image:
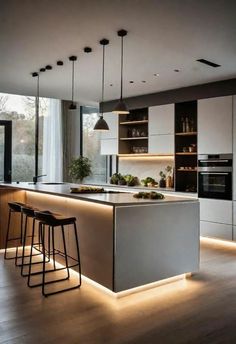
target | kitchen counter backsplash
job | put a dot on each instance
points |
(146, 167)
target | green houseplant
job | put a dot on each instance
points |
(80, 168)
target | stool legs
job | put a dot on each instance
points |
(8, 234)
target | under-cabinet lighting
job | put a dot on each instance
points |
(219, 242)
(146, 157)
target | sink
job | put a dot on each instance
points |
(49, 183)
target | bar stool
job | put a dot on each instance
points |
(54, 222)
(28, 213)
(14, 208)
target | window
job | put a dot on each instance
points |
(21, 111)
(91, 145)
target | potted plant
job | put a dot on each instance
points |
(115, 178)
(169, 170)
(80, 168)
(130, 180)
(162, 182)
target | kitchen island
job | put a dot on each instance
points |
(124, 242)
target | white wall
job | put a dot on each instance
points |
(144, 167)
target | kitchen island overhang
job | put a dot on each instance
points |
(124, 242)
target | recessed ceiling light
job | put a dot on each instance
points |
(144, 81)
(176, 70)
(156, 74)
(131, 82)
(111, 84)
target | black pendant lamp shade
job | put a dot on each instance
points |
(121, 107)
(73, 105)
(101, 123)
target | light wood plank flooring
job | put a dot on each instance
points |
(198, 310)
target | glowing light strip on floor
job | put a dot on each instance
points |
(121, 293)
(220, 242)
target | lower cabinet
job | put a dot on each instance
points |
(216, 230)
(216, 219)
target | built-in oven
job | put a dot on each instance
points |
(215, 176)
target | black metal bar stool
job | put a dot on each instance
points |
(14, 209)
(52, 222)
(28, 213)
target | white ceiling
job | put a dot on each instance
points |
(163, 35)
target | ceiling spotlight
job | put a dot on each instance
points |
(87, 50)
(48, 67)
(144, 81)
(42, 70)
(131, 82)
(176, 70)
(156, 74)
(121, 107)
(60, 63)
(34, 74)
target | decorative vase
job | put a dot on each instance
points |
(162, 183)
(169, 182)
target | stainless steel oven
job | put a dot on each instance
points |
(215, 176)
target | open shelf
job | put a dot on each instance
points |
(186, 153)
(185, 140)
(134, 122)
(133, 138)
(190, 133)
(133, 132)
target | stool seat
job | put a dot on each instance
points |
(28, 210)
(15, 206)
(52, 219)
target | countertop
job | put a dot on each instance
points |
(124, 198)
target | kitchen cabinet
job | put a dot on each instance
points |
(109, 138)
(214, 210)
(215, 125)
(234, 147)
(161, 144)
(216, 230)
(161, 119)
(112, 121)
(109, 146)
(216, 218)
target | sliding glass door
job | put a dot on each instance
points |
(5, 151)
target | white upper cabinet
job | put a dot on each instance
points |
(109, 147)
(161, 144)
(112, 121)
(215, 120)
(161, 119)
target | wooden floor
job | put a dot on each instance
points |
(198, 310)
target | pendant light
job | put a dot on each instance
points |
(73, 105)
(121, 107)
(101, 124)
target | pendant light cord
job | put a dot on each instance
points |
(121, 70)
(37, 128)
(103, 77)
(73, 81)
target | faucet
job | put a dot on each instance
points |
(35, 178)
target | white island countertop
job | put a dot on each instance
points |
(119, 198)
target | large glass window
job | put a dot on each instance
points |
(21, 111)
(91, 145)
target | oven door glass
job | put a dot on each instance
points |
(215, 185)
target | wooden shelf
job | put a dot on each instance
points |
(134, 122)
(185, 170)
(186, 153)
(133, 138)
(190, 133)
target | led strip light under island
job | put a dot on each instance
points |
(126, 244)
